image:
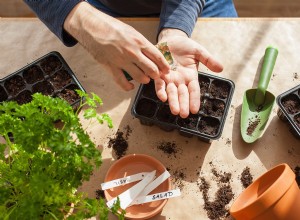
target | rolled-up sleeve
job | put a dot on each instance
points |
(180, 14)
(53, 14)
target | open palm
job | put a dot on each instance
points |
(180, 85)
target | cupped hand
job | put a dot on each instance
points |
(180, 85)
(116, 45)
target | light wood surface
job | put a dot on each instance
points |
(239, 44)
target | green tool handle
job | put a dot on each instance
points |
(265, 75)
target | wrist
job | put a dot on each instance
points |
(167, 33)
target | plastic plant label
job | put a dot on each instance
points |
(129, 195)
(158, 196)
(155, 183)
(123, 181)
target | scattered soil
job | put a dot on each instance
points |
(220, 89)
(43, 87)
(291, 103)
(119, 142)
(216, 209)
(69, 94)
(3, 95)
(169, 148)
(99, 194)
(15, 85)
(222, 177)
(214, 107)
(24, 97)
(50, 64)
(209, 125)
(60, 79)
(164, 114)
(252, 125)
(246, 177)
(296, 76)
(178, 177)
(204, 84)
(33, 74)
(189, 122)
(146, 107)
(297, 120)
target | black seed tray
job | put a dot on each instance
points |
(207, 125)
(289, 109)
(49, 75)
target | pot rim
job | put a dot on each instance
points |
(284, 178)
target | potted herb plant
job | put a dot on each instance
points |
(45, 156)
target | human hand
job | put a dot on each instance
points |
(116, 45)
(180, 85)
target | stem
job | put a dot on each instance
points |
(52, 215)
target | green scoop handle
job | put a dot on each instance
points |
(265, 75)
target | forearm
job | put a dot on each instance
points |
(182, 15)
(53, 14)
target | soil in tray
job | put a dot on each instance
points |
(69, 94)
(149, 91)
(190, 122)
(33, 74)
(204, 84)
(219, 89)
(214, 107)
(297, 120)
(3, 95)
(60, 79)
(43, 87)
(146, 107)
(50, 64)
(209, 125)
(164, 114)
(24, 97)
(15, 84)
(291, 103)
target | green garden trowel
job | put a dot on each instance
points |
(258, 103)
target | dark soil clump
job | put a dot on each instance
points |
(214, 107)
(146, 108)
(252, 126)
(209, 125)
(291, 103)
(24, 97)
(204, 84)
(100, 194)
(164, 114)
(51, 64)
(33, 74)
(69, 94)
(119, 143)
(190, 122)
(216, 209)
(60, 79)
(3, 95)
(15, 85)
(246, 177)
(220, 89)
(222, 177)
(169, 148)
(43, 87)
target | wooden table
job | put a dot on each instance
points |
(239, 44)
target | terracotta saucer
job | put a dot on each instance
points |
(132, 164)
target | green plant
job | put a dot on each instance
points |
(46, 156)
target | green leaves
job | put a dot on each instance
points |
(50, 155)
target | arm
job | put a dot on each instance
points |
(53, 14)
(180, 86)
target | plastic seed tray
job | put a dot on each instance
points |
(207, 125)
(49, 75)
(289, 109)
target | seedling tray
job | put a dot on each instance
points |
(289, 109)
(49, 75)
(207, 125)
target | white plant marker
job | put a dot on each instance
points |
(123, 181)
(129, 195)
(158, 196)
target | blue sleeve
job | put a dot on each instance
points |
(180, 14)
(53, 14)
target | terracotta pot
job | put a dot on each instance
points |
(275, 195)
(132, 164)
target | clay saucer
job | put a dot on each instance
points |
(133, 164)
